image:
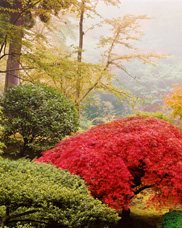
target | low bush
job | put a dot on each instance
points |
(35, 118)
(172, 220)
(40, 195)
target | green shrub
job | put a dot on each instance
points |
(172, 220)
(158, 115)
(36, 117)
(40, 195)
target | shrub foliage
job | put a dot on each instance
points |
(36, 117)
(42, 195)
(172, 220)
(121, 158)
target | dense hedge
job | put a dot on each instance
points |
(44, 196)
(172, 220)
(36, 117)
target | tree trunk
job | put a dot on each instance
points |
(126, 215)
(13, 62)
(79, 58)
(125, 221)
(128, 221)
(5, 218)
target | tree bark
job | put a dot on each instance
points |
(125, 221)
(6, 218)
(79, 57)
(13, 62)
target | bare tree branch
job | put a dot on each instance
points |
(20, 78)
(5, 71)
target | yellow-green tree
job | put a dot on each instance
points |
(67, 70)
(174, 100)
(125, 32)
(19, 15)
(84, 9)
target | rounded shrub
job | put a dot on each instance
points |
(172, 220)
(40, 195)
(36, 117)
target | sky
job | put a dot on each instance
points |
(163, 31)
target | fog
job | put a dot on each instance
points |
(163, 34)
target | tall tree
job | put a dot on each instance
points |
(124, 31)
(19, 11)
(13, 62)
(85, 8)
(79, 80)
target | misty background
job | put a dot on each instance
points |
(162, 34)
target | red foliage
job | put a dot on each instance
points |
(120, 158)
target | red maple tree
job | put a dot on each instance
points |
(119, 159)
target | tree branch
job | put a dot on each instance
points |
(20, 77)
(107, 64)
(111, 47)
(4, 44)
(122, 93)
(122, 68)
(24, 213)
(90, 89)
(92, 27)
(5, 71)
(142, 188)
(2, 56)
(25, 9)
(27, 220)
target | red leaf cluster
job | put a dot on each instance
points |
(119, 159)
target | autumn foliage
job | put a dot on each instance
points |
(174, 100)
(119, 159)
